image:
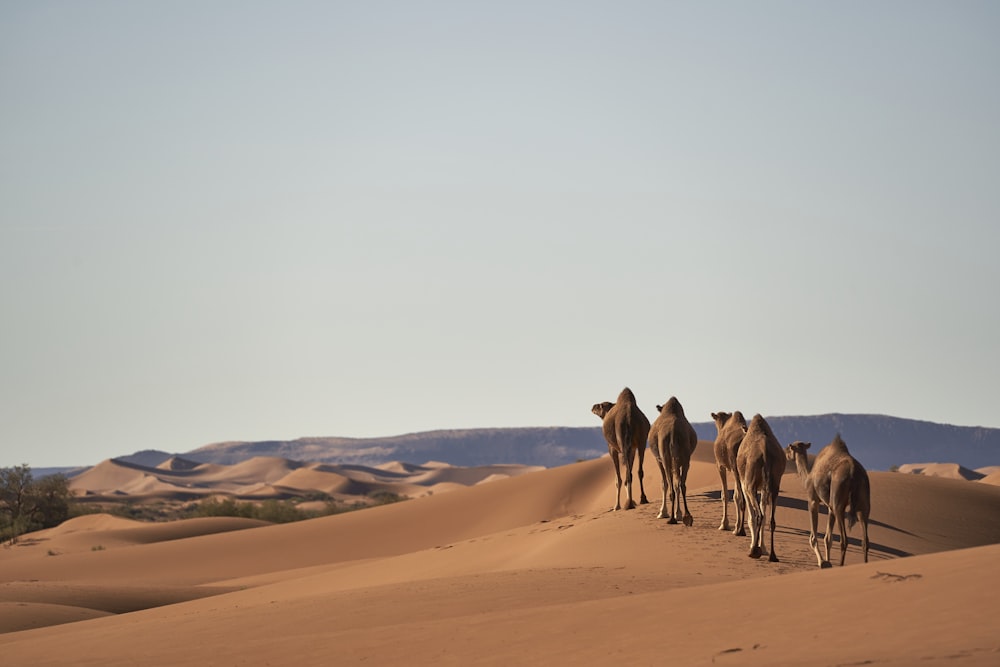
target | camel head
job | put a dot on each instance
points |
(721, 418)
(796, 448)
(601, 409)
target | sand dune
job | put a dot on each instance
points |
(273, 477)
(949, 470)
(990, 474)
(530, 568)
(984, 475)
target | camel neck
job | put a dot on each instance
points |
(802, 466)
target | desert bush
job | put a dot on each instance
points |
(27, 504)
(224, 507)
(277, 511)
(283, 511)
(387, 498)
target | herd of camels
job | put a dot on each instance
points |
(754, 456)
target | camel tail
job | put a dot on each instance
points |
(675, 455)
(767, 483)
(859, 500)
(625, 436)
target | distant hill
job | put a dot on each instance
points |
(147, 457)
(878, 441)
(549, 447)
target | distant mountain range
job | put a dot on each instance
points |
(878, 441)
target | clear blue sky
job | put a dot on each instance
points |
(249, 220)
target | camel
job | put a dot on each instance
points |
(840, 482)
(626, 430)
(672, 440)
(760, 464)
(731, 428)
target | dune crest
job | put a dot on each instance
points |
(264, 477)
(947, 470)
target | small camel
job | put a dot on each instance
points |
(731, 428)
(760, 464)
(672, 440)
(840, 482)
(626, 430)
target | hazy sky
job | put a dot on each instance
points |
(248, 220)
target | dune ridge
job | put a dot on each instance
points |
(264, 477)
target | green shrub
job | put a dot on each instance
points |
(27, 504)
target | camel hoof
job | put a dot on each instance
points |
(724, 526)
(630, 506)
(740, 533)
(754, 553)
(772, 558)
(825, 564)
(643, 501)
(688, 520)
(672, 521)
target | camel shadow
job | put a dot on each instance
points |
(802, 505)
(851, 541)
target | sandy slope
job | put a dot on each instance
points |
(529, 569)
(949, 470)
(264, 477)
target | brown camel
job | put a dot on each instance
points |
(760, 464)
(626, 430)
(731, 428)
(672, 440)
(837, 480)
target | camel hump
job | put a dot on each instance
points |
(740, 419)
(759, 425)
(673, 407)
(838, 443)
(626, 396)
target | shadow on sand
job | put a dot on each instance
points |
(802, 505)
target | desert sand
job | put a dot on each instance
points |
(524, 569)
(268, 477)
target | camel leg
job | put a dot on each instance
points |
(773, 505)
(725, 500)
(813, 542)
(618, 482)
(828, 538)
(843, 536)
(663, 485)
(672, 517)
(669, 489)
(629, 462)
(688, 519)
(863, 518)
(756, 519)
(741, 507)
(642, 489)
